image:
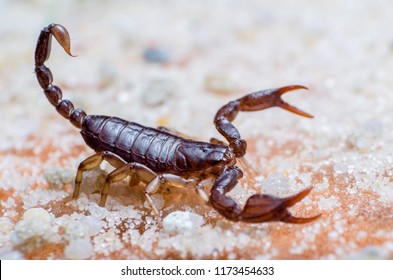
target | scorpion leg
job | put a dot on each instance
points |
(146, 175)
(129, 169)
(216, 141)
(258, 208)
(92, 162)
(166, 179)
(252, 102)
(169, 179)
(200, 189)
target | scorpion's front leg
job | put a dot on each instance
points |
(258, 208)
(252, 102)
(153, 180)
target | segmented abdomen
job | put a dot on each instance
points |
(133, 142)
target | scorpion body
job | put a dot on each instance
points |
(159, 157)
(157, 149)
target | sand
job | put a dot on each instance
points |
(175, 63)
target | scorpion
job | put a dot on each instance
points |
(159, 156)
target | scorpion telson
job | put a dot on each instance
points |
(159, 157)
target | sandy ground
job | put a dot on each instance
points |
(175, 63)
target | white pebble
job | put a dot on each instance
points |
(158, 91)
(180, 222)
(322, 186)
(79, 249)
(38, 213)
(276, 184)
(340, 168)
(5, 225)
(30, 230)
(7, 253)
(328, 203)
(58, 177)
(220, 83)
(95, 224)
(76, 229)
(35, 226)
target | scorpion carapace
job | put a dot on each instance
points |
(159, 157)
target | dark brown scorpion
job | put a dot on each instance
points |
(159, 157)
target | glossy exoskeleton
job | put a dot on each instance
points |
(159, 157)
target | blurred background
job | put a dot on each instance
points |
(175, 63)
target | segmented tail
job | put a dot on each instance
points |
(44, 75)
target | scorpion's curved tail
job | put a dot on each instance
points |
(252, 102)
(44, 75)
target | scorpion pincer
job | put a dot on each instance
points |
(159, 157)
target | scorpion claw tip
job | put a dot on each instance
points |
(288, 218)
(284, 105)
(294, 110)
(301, 87)
(286, 89)
(292, 200)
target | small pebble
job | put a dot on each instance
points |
(276, 184)
(340, 168)
(58, 177)
(179, 222)
(5, 225)
(79, 249)
(77, 229)
(31, 233)
(38, 213)
(95, 224)
(220, 83)
(158, 91)
(156, 55)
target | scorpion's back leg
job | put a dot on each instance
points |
(122, 170)
(258, 208)
(91, 163)
(132, 169)
(252, 102)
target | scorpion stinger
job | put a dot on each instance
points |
(156, 157)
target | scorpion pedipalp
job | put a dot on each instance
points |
(259, 207)
(255, 101)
